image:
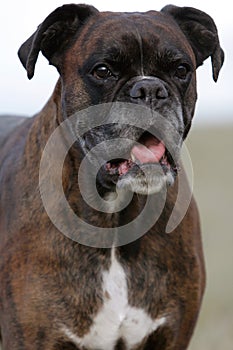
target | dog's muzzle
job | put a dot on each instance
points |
(143, 156)
(142, 164)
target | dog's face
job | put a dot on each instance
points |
(146, 63)
(147, 60)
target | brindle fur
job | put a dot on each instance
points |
(47, 278)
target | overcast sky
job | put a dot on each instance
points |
(19, 19)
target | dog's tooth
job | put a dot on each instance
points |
(133, 157)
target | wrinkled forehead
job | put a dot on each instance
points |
(113, 34)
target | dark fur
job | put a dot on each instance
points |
(44, 276)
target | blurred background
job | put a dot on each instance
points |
(210, 142)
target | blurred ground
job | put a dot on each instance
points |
(211, 150)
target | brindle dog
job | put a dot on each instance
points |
(57, 293)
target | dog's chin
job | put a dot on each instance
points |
(146, 179)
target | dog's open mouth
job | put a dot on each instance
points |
(148, 150)
(146, 166)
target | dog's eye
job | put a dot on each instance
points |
(102, 72)
(181, 71)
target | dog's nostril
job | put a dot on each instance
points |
(137, 92)
(161, 92)
(148, 89)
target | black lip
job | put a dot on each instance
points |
(138, 167)
(109, 181)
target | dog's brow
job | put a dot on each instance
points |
(171, 56)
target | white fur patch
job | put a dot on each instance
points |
(116, 319)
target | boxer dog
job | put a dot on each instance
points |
(57, 293)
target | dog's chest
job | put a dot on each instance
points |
(116, 320)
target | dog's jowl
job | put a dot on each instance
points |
(122, 107)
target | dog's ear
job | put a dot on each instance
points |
(54, 35)
(202, 34)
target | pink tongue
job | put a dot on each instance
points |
(150, 152)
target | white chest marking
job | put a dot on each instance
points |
(116, 319)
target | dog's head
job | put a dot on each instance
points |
(147, 60)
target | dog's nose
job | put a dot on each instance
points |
(148, 89)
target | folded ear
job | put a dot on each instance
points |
(54, 35)
(202, 34)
